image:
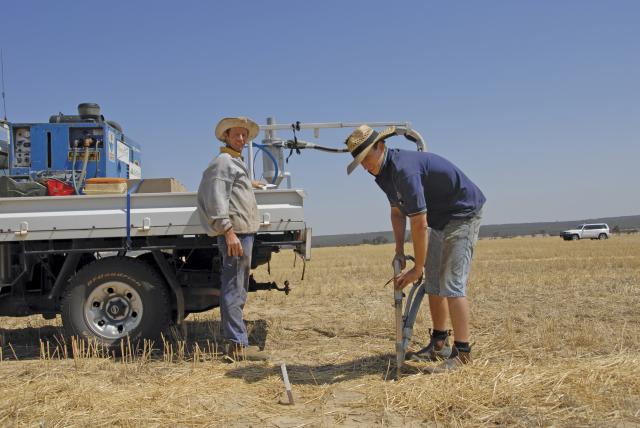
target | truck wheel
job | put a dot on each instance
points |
(574, 237)
(603, 236)
(116, 297)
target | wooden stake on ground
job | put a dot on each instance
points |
(287, 385)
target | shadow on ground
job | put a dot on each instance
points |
(29, 342)
(382, 365)
(204, 332)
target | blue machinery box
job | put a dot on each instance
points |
(67, 142)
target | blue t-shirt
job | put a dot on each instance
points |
(419, 182)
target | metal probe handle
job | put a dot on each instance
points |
(397, 303)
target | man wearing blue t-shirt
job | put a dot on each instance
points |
(434, 193)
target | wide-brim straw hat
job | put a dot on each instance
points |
(237, 122)
(362, 140)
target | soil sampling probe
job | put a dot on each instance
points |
(404, 322)
(397, 304)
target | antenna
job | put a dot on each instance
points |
(4, 102)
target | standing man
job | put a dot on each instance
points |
(430, 191)
(228, 210)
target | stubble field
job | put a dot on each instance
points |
(556, 327)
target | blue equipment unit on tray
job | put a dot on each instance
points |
(70, 144)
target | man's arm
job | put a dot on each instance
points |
(419, 238)
(399, 225)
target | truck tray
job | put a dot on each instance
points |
(151, 214)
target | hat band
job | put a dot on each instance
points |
(369, 141)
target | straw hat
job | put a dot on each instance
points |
(237, 122)
(362, 140)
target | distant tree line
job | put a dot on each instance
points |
(619, 225)
(617, 229)
(376, 241)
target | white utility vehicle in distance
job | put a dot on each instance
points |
(584, 231)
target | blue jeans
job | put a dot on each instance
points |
(234, 286)
(449, 257)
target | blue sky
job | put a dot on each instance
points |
(538, 102)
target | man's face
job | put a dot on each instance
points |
(237, 138)
(373, 160)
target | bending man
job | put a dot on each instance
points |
(430, 191)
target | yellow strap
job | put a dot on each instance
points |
(233, 153)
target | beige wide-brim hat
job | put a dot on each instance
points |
(362, 140)
(237, 122)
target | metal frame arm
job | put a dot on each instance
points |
(412, 135)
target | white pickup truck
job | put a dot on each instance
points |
(126, 265)
(584, 231)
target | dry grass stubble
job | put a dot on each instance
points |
(556, 327)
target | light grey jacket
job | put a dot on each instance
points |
(226, 199)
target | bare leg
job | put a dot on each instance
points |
(459, 309)
(439, 312)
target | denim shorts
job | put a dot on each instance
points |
(449, 257)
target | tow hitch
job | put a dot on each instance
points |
(257, 286)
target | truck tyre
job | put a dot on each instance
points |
(575, 237)
(116, 298)
(603, 236)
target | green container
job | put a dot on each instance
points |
(10, 188)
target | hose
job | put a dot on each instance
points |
(85, 161)
(408, 133)
(328, 149)
(73, 168)
(273, 159)
(95, 175)
(412, 135)
(291, 144)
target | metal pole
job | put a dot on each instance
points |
(251, 160)
(4, 102)
(414, 300)
(397, 303)
(320, 125)
(402, 128)
(268, 169)
(269, 134)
